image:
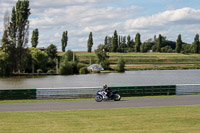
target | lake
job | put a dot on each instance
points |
(129, 78)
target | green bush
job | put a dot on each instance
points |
(51, 71)
(121, 65)
(83, 70)
(68, 65)
(80, 65)
(66, 68)
(105, 64)
(39, 71)
(167, 49)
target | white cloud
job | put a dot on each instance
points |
(57, 35)
(80, 17)
(183, 16)
(170, 23)
(83, 39)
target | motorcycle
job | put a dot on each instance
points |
(102, 95)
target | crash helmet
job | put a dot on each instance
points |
(105, 86)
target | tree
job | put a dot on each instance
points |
(106, 41)
(159, 42)
(5, 69)
(66, 68)
(129, 41)
(19, 26)
(187, 48)
(22, 22)
(5, 41)
(39, 58)
(64, 40)
(35, 37)
(13, 26)
(109, 47)
(178, 44)
(195, 44)
(83, 70)
(67, 65)
(7, 49)
(102, 56)
(147, 45)
(6, 63)
(51, 51)
(123, 44)
(121, 65)
(137, 42)
(6, 21)
(70, 56)
(165, 42)
(115, 42)
(90, 43)
(167, 49)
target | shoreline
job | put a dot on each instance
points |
(128, 67)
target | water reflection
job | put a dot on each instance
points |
(154, 77)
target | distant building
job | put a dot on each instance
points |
(41, 48)
(95, 67)
(150, 51)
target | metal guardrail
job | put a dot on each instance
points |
(66, 92)
(187, 89)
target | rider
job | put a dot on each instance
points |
(108, 90)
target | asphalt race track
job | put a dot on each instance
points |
(85, 105)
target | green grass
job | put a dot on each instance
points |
(181, 119)
(151, 58)
(159, 67)
(143, 57)
(82, 99)
(139, 55)
(43, 100)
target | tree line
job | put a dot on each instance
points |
(124, 44)
(17, 57)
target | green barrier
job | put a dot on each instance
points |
(15, 94)
(153, 90)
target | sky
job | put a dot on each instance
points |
(102, 17)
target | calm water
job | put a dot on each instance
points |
(154, 77)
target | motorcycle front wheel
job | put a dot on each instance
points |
(117, 97)
(98, 98)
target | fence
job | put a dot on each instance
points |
(67, 92)
(10, 94)
(90, 92)
(146, 90)
(187, 89)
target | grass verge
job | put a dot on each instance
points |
(182, 119)
(161, 67)
(82, 99)
(43, 100)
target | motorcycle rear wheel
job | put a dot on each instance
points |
(98, 98)
(117, 97)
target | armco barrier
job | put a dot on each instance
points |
(152, 90)
(90, 92)
(187, 89)
(14, 94)
(66, 92)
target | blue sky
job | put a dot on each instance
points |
(102, 17)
